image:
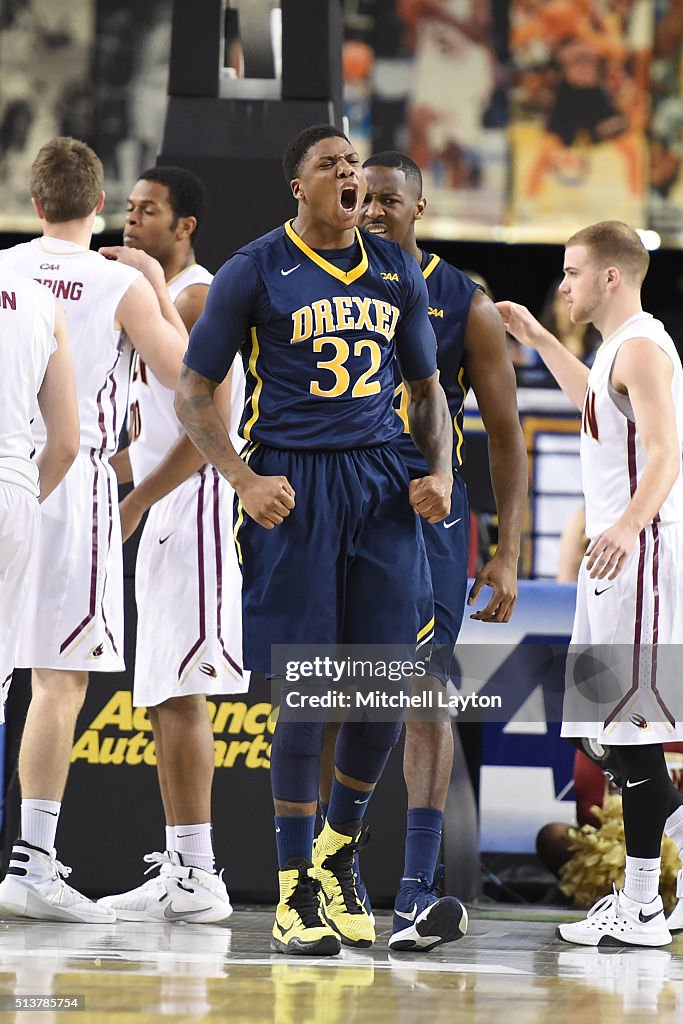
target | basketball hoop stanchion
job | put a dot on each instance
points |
(231, 130)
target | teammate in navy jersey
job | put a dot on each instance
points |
(318, 313)
(471, 351)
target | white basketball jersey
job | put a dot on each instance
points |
(613, 458)
(153, 426)
(90, 288)
(27, 319)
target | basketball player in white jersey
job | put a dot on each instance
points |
(187, 581)
(629, 605)
(35, 363)
(73, 621)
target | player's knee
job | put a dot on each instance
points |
(187, 706)
(59, 688)
(383, 735)
(429, 710)
(298, 739)
(643, 762)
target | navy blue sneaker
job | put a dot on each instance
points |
(422, 918)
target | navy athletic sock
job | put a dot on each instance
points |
(423, 842)
(346, 804)
(323, 810)
(294, 837)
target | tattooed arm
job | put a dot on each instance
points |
(214, 343)
(267, 499)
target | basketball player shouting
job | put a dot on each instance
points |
(326, 530)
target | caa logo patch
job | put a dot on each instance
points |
(208, 670)
(638, 721)
(390, 277)
(435, 312)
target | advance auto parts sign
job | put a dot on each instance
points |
(122, 734)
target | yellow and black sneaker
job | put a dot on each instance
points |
(333, 862)
(299, 923)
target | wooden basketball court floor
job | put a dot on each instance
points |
(509, 969)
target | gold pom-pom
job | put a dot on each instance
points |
(599, 859)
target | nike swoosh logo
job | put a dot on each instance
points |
(447, 526)
(284, 931)
(291, 271)
(648, 917)
(408, 917)
(603, 591)
(43, 811)
(362, 801)
(162, 540)
(177, 915)
(632, 785)
(188, 834)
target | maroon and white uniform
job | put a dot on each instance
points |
(636, 619)
(74, 608)
(187, 581)
(27, 317)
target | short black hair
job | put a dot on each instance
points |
(186, 192)
(393, 158)
(298, 147)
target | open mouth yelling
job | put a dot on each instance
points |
(348, 198)
(375, 228)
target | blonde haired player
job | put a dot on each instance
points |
(73, 621)
(187, 581)
(629, 607)
(35, 368)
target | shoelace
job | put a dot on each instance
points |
(342, 865)
(156, 860)
(60, 870)
(608, 902)
(305, 901)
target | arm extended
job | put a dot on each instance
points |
(492, 376)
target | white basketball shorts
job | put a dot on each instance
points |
(188, 593)
(19, 522)
(74, 605)
(625, 664)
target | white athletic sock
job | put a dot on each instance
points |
(195, 846)
(674, 828)
(170, 838)
(642, 878)
(39, 820)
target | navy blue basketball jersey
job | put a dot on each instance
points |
(450, 297)
(318, 332)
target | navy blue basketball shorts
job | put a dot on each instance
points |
(447, 546)
(347, 566)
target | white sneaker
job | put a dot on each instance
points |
(616, 920)
(34, 887)
(177, 893)
(674, 921)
